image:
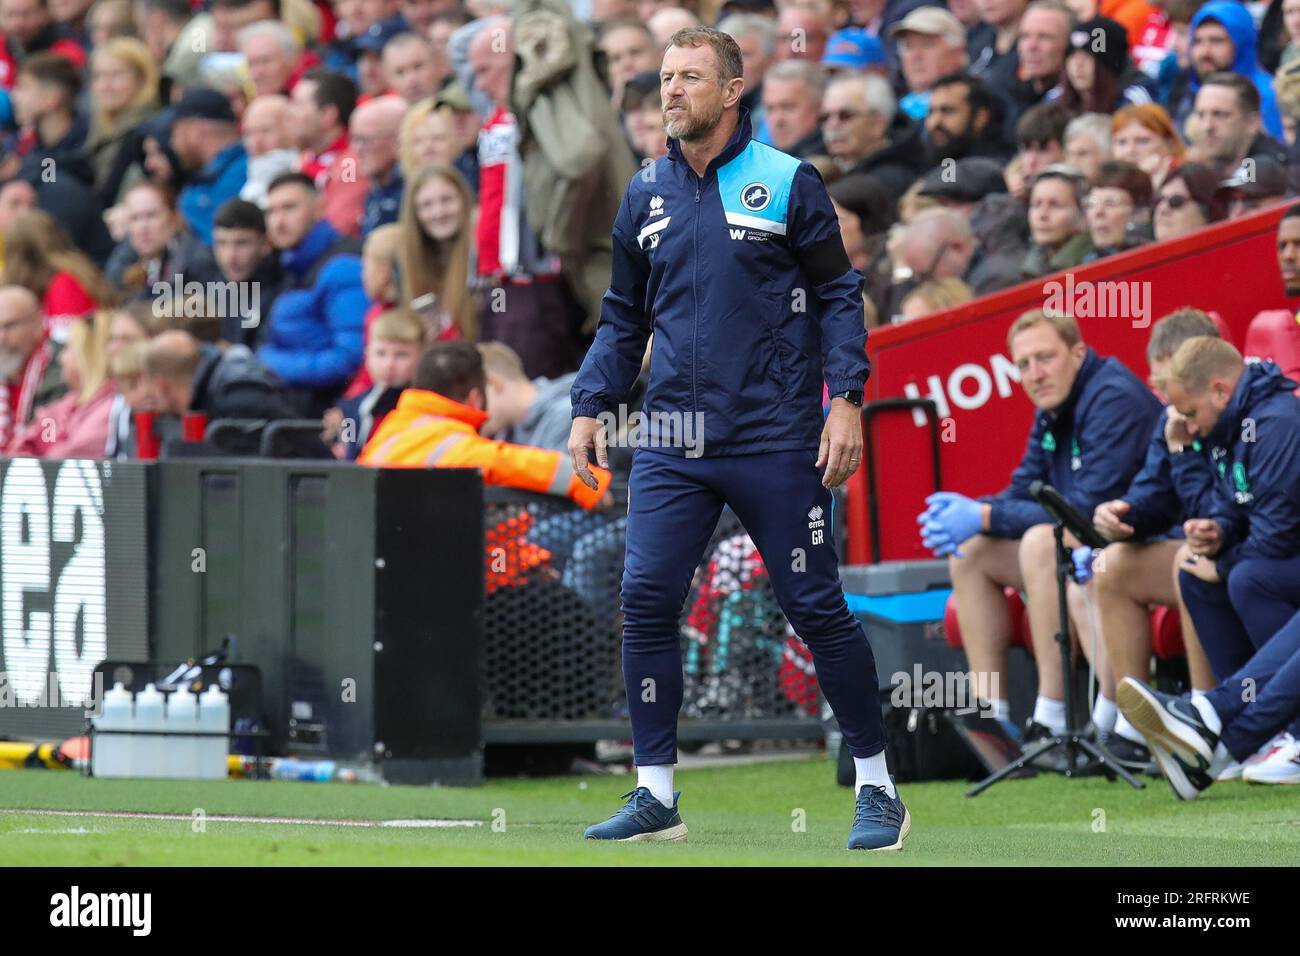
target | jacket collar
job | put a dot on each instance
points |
(300, 259)
(1258, 382)
(420, 401)
(740, 138)
(220, 163)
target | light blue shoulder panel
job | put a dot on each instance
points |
(755, 188)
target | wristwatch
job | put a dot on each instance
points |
(851, 396)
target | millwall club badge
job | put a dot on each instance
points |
(755, 197)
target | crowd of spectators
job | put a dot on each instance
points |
(307, 195)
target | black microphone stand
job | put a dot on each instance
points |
(1075, 741)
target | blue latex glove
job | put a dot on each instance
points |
(949, 521)
(1082, 564)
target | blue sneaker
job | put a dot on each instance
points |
(880, 822)
(643, 817)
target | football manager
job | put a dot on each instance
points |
(729, 252)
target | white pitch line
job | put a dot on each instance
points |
(218, 818)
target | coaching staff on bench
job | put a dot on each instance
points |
(729, 251)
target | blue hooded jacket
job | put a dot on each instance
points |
(1087, 449)
(316, 334)
(1255, 450)
(1236, 19)
(743, 279)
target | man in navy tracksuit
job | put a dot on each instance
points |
(1242, 582)
(1088, 440)
(729, 251)
(1145, 525)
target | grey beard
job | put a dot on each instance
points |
(693, 128)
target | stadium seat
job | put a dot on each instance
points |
(1166, 628)
(1015, 607)
(1225, 331)
(1166, 633)
(1275, 335)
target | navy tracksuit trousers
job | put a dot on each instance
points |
(1235, 620)
(1263, 697)
(674, 505)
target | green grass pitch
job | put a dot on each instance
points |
(786, 812)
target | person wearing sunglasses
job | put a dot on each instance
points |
(1188, 200)
(1118, 209)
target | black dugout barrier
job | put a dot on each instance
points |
(404, 616)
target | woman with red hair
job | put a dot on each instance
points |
(1145, 136)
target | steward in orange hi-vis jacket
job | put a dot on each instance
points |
(429, 430)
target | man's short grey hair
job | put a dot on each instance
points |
(741, 25)
(875, 92)
(812, 75)
(282, 35)
(725, 49)
(1096, 126)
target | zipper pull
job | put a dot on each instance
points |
(697, 192)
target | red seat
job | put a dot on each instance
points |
(1015, 607)
(1166, 633)
(1225, 332)
(1275, 335)
(1166, 627)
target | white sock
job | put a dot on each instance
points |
(872, 772)
(1126, 730)
(1050, 713)
(659, 780)
(1207, 712)
(1221, 761)
(1104, 714)
(1002, 709)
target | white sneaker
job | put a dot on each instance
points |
(1281, 766)
(1232, 771)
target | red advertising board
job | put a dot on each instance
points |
(959, 358)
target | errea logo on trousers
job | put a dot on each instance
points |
(816, 524)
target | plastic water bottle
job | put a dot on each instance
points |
(312, 771)
(149, 751)
(214, 716)
(182, 752)
(112, 751)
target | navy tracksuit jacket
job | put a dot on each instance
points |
(743, 279)
(1254, 462)
(1088, 448)
(1168, 490)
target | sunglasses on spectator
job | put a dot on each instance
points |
(1175, 202)
(842, 115)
